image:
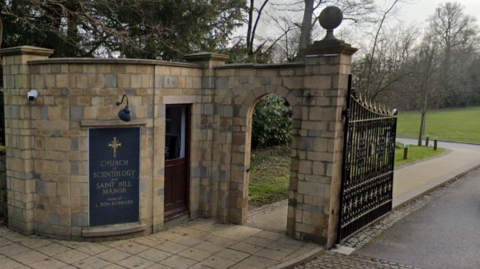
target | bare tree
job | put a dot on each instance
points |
(381, 68)
(457, 37)
(1, 31)
(421, 92)
(252, 23)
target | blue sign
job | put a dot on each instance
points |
(114, 175)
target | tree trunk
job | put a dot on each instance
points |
(422, 123)
(249, 27)
(306, 28)
(1, 32)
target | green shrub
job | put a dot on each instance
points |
(272, 122)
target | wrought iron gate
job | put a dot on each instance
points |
(368, 163)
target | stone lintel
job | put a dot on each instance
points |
(112, 123)
(335, 46)
(26, 50)
(113, 230)
(205, 56)
(260, 66)
(112, 61)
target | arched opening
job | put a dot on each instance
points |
(234, 152)
(270, 121)
(234, 155)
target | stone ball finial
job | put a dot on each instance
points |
(330, 18)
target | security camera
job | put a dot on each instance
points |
(32, 95)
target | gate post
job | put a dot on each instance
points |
(327, 66)
(206, 175)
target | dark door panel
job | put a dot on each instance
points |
(177, 144)
(175, 186)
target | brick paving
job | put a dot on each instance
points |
(198, 244)
(193, 244)
(340, 261)
(266, 209)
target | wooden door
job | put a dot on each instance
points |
(177, 145)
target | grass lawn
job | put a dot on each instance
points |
(416, 153)
(270, 171)
(269, 175)
(461, 125)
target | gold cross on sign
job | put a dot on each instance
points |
(114, 145)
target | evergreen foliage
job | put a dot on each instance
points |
(161, 29)
(272, 122)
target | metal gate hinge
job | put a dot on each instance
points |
(345, 113)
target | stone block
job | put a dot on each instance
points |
(311, 188)
(318, 168)
(53, 218)
(207, 82)
(111, 80)
(136, 81)
(124, 81)
(62, 144)
(315, 219)
(315, 133)
(50, 188)
(158, 81)
(305, 167)
(74, 168)
(265, 80)
(79, 219)
(228, 111)
(244, 80)
(208, 109)
(307, 143)
(76, 112)
(320, 156)
(96, 81)
(321, 144)
(170, 82)
(40, 187)
(323, 113)
(50, 81)
(221, 83)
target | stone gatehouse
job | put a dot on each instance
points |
(184, 154)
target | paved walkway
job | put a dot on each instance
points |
(203, 244)
(195, 244)
(413, 180)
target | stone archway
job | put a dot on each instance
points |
(223, 97)
(241, 147)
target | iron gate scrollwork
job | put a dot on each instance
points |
(368, 164)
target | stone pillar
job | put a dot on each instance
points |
(327, 66)
(208, 171)
(19, 134)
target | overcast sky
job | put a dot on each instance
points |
(415, 13)
(422, 9)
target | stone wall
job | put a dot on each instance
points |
(47, 139)
(316, 92)
(75, 95)
(3, 188)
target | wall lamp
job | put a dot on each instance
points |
(124, 114)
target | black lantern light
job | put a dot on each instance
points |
(124, 114)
